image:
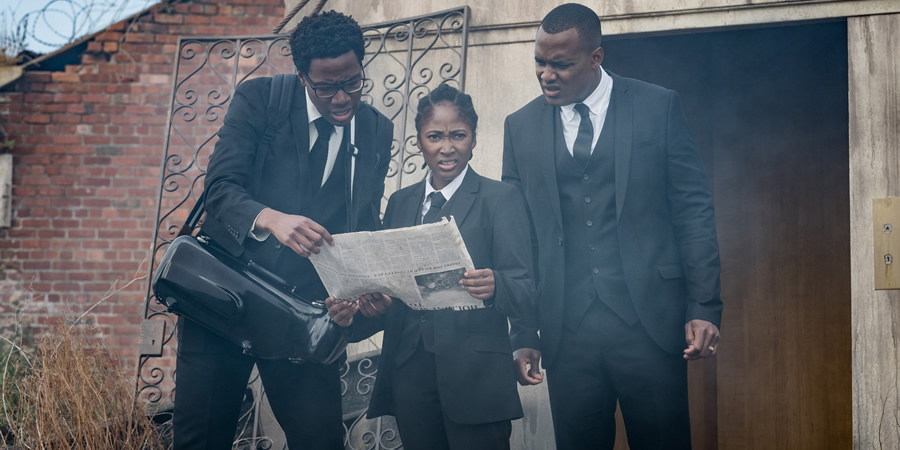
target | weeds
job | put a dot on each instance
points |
(12, 38)
(67, 390)
(75, 396)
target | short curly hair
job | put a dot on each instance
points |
(573, 15)
(326, 35)
(447, 94)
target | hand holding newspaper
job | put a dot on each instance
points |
(420, 265)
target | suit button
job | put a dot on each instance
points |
(586, 177)
(422, 319)
(589, 223)
(560, 242)
(587, 199)
(277, 244)
(596, 270)
(591, 248)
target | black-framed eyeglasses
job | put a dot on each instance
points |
(330, 90)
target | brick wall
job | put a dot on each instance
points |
(86, 168)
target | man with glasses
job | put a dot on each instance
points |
(274, 196)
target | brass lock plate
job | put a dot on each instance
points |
(886, 221)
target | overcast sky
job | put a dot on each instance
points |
(54, 23)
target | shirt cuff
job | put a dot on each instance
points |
(258, 235)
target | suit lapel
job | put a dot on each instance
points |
(544, 148)
(623, 104)
(462, 200)
(410, 206)
(365, 155)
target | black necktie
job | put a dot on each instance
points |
(582, 148)
(318, 155)
(434, 211)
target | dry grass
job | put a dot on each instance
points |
(12, 38)
(67, 390)
(75, 396)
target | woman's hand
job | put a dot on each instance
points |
(479, 283)
(341, 312)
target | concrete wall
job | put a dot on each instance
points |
(500, 73)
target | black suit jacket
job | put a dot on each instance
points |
(235, 195)
(666, 228)
(475, 374)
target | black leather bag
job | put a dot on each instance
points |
(243, 302)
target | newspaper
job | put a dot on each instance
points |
(420, 265)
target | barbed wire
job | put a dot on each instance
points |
(61, 22)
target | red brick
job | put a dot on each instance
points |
(207, 30)
(138, 37)
(38, 98)
(96, 140)
(110, 36)
(51, 234)
(81, 276)
(65, 118)
(65, 77)
(126, 119)
(95, 181)
(139, 110)
(38, 118)
(94, 98)
(168, 18)
(94, 244)
(81, 233)
(197, 20)
(111, 68)
(64, 287)
(67, 140)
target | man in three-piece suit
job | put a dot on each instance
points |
(275, 202)
(623, 226)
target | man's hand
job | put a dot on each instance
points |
(479, 283)
(341, 312)
(702, 339)
(528, 366)
(373, 305)
(301, 234)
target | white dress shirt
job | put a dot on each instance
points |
(334, 143)
(334, 146)
(447, 191)
(597, 103)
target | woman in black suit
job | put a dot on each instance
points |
(447, 376)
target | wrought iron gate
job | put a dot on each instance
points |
(404, 60)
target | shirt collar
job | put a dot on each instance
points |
(594, 101)
(449, 189)
(311, 112)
